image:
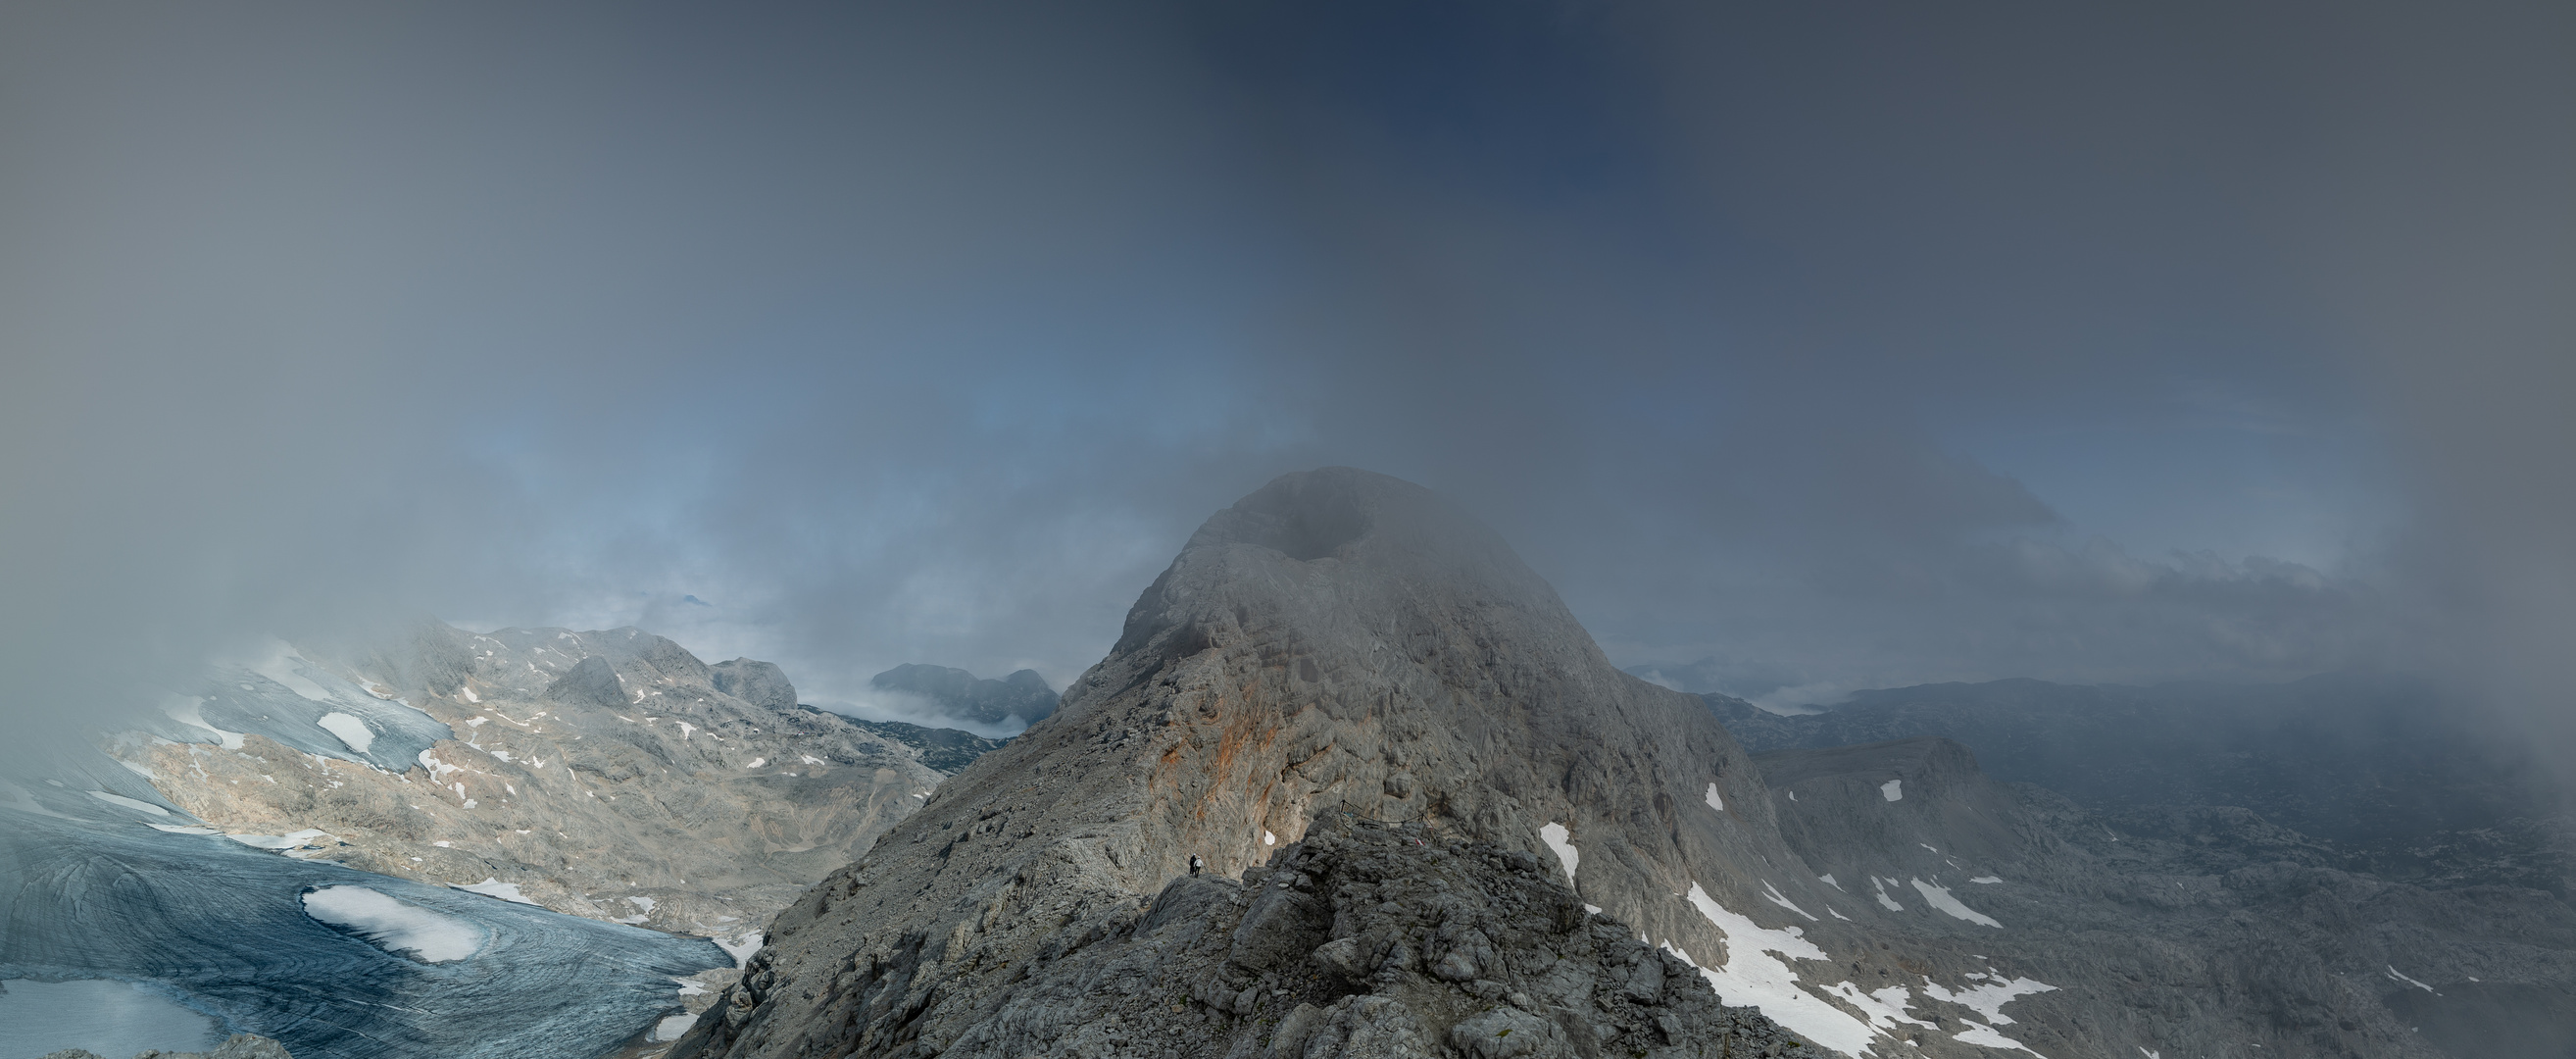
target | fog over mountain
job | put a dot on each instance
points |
(1809, 350)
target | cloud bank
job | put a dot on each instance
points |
(1802, 350)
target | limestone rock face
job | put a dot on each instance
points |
(607, 774)
(1337, 643)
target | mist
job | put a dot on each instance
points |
(1803, 351)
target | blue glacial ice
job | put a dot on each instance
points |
(105, 890)
(224, 930)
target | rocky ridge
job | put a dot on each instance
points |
(1338, 642)
(1362, 941)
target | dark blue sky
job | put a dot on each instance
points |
(1804, 348)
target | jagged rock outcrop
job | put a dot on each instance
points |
(1022, 697)
(1363, 941)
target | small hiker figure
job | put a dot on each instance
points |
(1194, 864)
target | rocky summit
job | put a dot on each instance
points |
(1432, 820)
(1338, 643)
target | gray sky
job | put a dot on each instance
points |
(1803, 349)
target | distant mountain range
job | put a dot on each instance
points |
(2406, 782)
(1022, 697)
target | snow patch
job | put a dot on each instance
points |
(184, 709)
(2396, 975)
(392, 925)
(1989, 1000)
(280, 667)
(492, 886)
(671, 1028)
(1829, 881)
(757, 762)
(742, 948)
(1269, 839)
(1984, 1036)
(1715, 802)
(278, 842)
(1772, 894)
(1885, 1009)
(119, 799)
(1561, 842)
(1756, 974)
(1987, 880)
(1940, 898)
(1884, 901)
(1892, 790)
(351, 730)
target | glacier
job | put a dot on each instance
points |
(103, 881)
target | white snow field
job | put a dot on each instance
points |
(394, 926)
(1560, 841)
(1940, 898)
